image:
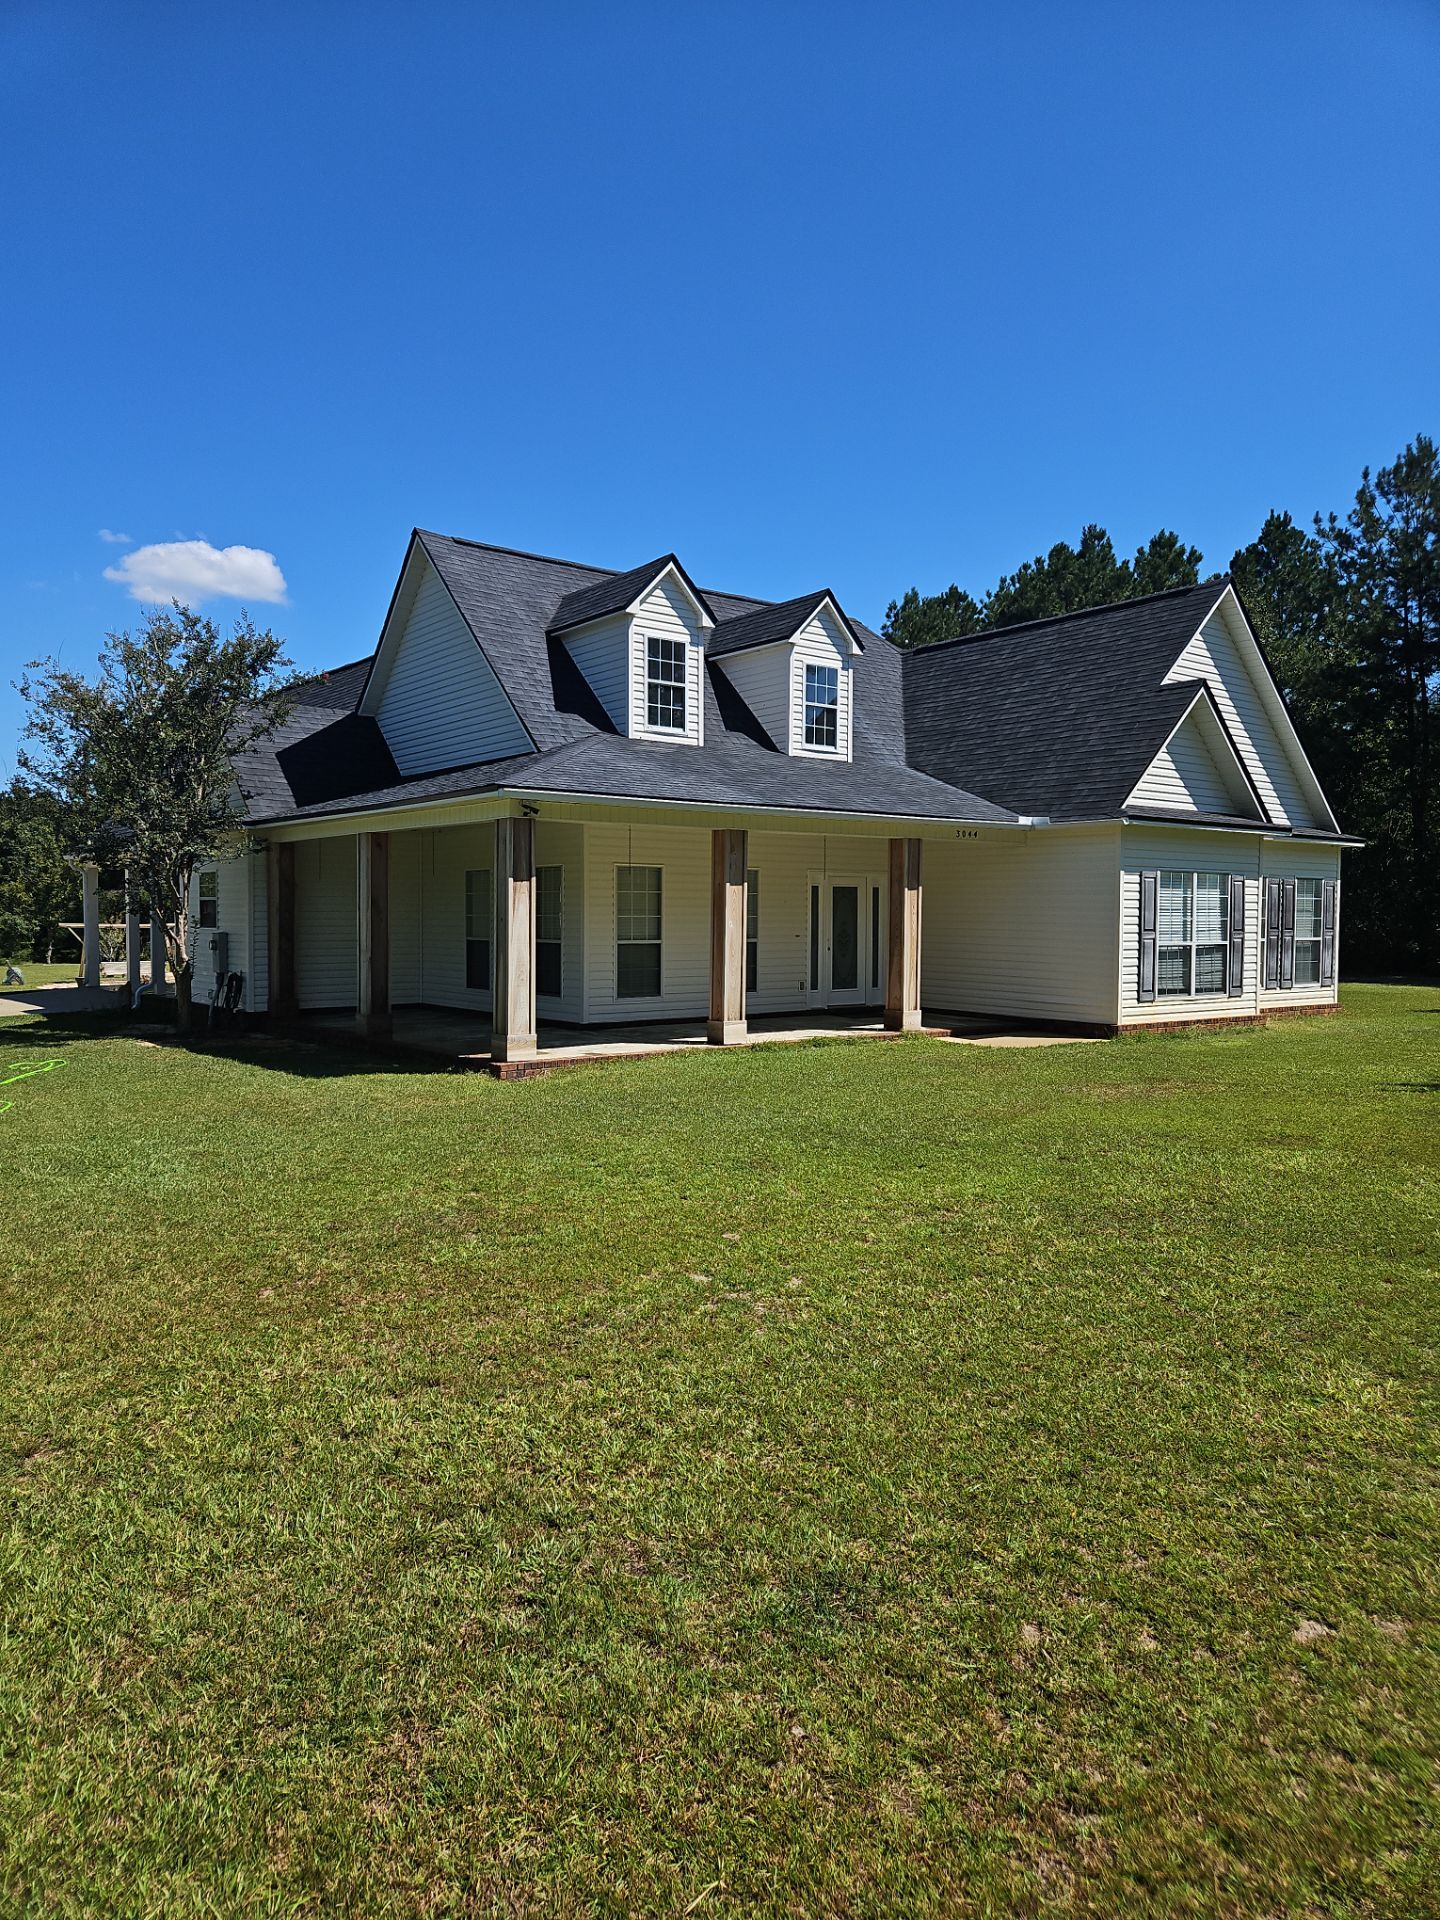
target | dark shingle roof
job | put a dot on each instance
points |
(764, 625)
(733, 771)
(615, 593)
(323, 749)
(1057, 717)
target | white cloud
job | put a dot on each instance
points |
(114, 539)
(194, 570)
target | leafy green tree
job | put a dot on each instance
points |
(916, 621)
(142, 755)
(1064, 580)
(1385, 555)
(39, 885)
(1162, 563)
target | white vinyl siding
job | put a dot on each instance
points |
(233, 883)
(761, 677)
(602, 653)
(821, 642)
(683, 856)
(326, 927)
(441, 704)
(786, 864)
(1022, 924)
(1190, 773)
(666, 613)
(1172, 849)
(1215, 655)
(1303, 863)
(406, 952)
(447, 855)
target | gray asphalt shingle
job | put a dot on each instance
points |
(1057, 717)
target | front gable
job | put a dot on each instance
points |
(433, 692)
(1225, 655)
(1199, 770)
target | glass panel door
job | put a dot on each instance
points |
(845, 939)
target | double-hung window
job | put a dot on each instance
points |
(637, 933)
(822, 707)
(1309, 930)
(209, 915)
(479, 916)
(665, 668)
(752, 930)
(549, 929)
(1193, 934)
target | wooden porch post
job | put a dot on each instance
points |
(90, 915)
(132, 941)
(902, 980)
(729, 853)
(372, 1010)
(512, 1035)
(280, 904)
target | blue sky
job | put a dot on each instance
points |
(857, 296)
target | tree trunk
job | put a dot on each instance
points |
(183, 1002)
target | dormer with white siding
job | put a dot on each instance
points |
(793, 665)
(639, 639)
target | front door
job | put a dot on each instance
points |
(838, 948)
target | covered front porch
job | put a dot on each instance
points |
(589, 938)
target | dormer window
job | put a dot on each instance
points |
(822, 707)
(665, 674)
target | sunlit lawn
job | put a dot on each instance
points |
(43, 973)
(847, 1479)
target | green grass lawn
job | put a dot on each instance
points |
(39, 973)
(840, 1479)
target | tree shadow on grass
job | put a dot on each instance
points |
(27, 1040)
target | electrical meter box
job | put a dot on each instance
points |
(219, 953)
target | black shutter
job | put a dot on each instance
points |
(1235, 973)
(1149, 910)
(1327, 936)
(1287, 933)
(1272, 933)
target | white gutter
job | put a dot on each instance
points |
(501, 796)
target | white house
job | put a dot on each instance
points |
(559, 794)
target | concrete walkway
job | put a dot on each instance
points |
(60, 1000)
(464, 1039)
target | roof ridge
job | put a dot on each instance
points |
(581, 566)
(324, 673)
(1078, 613)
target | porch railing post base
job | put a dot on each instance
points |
(727, 1033)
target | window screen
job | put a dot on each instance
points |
(479, 916)
(637, 932)
(822, 706)
(665, 682)
(549, 929)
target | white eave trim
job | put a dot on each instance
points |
(1229, 607)
(705, 620)
(1206, 699)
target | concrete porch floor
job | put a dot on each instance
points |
(464, 1038)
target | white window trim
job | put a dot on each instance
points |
(615, 944)
(1317, 940)
(1194, 943)
(807, 667)
(550, 866)
(657, 727)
